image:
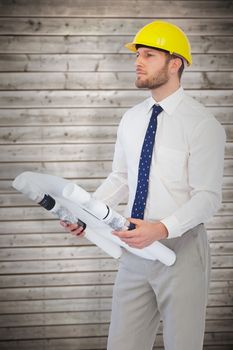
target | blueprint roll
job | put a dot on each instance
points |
(99, 228)
(162, 253)
(46, 191)
(94, 206)
(155, 251)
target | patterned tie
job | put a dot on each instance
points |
(144, 167)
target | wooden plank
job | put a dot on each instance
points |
(82, 278)
(68, 134)
(227, 182)
(105, 26)
(41, 240)
(220, 235)
(62, 266)
(227, 195)
(85, 252)
(64, 239)
(85, 278)
(65, 169)
(88, 331)
(78, 344)
(51, 344)
(52, 226)
(71, 305)
(83, 317)
(63, 152)
(104, 81)
(81, 344)
(19, 200)
(90, 169)
(17, 203)
(108, 44)
(103, 98)
(221, 287)
(223, 274)
(218, 261)
(115, 62)
(217, 347)
(102, 329)
(74, 116)
(59, 134)
(91, 184)
(225, 248)
(23, 226)
(220, 300)
(219, 222)
(226, 209)
(215, 310)
(229, 150)
(82, 116)
(69, 253)
(56, 292)
(120, 9)
(221, 267)
(59, 331)
(55, 318)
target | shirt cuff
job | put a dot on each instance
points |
(173, 226)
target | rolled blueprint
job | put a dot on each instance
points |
(155, 251)
(31, 185)
(98, 227)
(95, 207)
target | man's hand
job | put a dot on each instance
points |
(74, 229)
(144, 234)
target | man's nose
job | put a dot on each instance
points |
(139, 60)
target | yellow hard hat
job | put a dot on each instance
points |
(163, 35)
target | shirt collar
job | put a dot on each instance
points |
(169, 103)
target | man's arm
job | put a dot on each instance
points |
(114, 189)
(205, 174)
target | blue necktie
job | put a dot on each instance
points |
(144, 167)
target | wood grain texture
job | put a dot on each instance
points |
(65, 82)
(105, 26)
(108, 44)
(120, 9)
(99, 62)
(104, 81)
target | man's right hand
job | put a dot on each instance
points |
(74, 229)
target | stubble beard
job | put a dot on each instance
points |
(151, 83)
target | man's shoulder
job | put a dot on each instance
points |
(138, 108)
(193, 110)
(195, 116)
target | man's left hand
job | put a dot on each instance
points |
(144, 234)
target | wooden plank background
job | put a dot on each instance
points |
(65, 81)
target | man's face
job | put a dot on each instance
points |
(152, 68)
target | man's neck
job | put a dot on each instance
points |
(165, 90)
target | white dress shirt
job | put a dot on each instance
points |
(187, 165)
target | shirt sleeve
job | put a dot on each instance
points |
(205, 175)
(114, 189)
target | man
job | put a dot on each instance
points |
(172, 192)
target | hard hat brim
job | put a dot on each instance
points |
(132, 47)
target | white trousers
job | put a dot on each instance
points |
(146, 292)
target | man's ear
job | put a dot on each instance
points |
(175, 65)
